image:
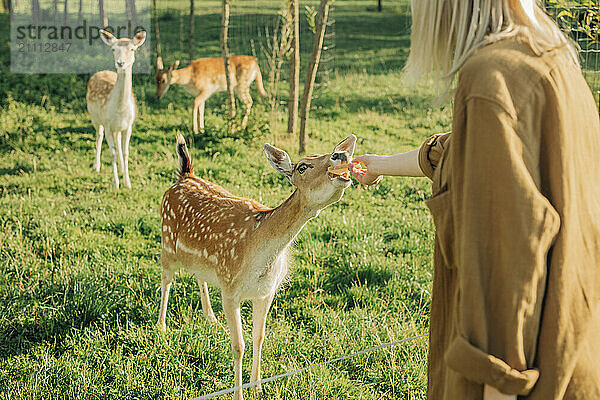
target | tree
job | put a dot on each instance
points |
(103, 18)
(294, 70)
(225, 53)
(159, 60)
(131, 12)
(80, 13)
(191, 38)
(311, 74)
(584, 18)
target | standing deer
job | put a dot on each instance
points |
(206, 76)
(239, 245)
(111, 103)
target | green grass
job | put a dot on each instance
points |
(80, 275)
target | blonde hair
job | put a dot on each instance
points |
(446, 32)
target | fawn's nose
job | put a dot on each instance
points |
(340, 155)
(120, 63)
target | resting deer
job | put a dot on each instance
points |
(111, 103)
(206, 76)
(239, 245)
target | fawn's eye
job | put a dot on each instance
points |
(302, 168)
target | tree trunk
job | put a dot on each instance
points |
(103, 19)
(35, 11)
(191, 56)
(65, 13)
(128, 16)
(157, 33)
(379, 6)
(80, 13)
(294, 70)
(134, 20)
(311, 74)
(8, 7)
(225, 53)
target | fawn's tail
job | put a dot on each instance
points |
(185, 160)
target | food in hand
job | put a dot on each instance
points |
(358, 168)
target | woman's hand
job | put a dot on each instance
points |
(491, 393)
(370, 176)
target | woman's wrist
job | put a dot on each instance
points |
(377, 164)
(491, 393)
(402, 164)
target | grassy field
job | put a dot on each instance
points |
(79, 262)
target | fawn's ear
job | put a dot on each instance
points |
(159, 63)
(280, 160)
(107, 37)
(174, 65)
(346, 145)
(138, 39)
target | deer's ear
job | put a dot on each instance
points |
(138, 39)
(159, 63)
(107, 37)
(174, 65)
(280, 160)
(346, 145)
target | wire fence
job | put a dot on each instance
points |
(300, 370)
(359, 39)
(582, 24)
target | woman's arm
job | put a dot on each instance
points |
(402, 164)
(503, 228)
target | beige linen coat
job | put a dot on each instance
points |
(516, 205)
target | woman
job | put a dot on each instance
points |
(516, 203)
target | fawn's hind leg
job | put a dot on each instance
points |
(125, 152)
(99, 138)
(198, 113)
(167, 279)
(206, 307)
(243, 93)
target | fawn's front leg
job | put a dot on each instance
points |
(260, 309)
(231, 308)
(110, 139)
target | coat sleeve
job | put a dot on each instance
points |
(504, 228)
(431, 152)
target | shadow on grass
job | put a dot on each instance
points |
(332, 107)
(18, 169)
(66, 308)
